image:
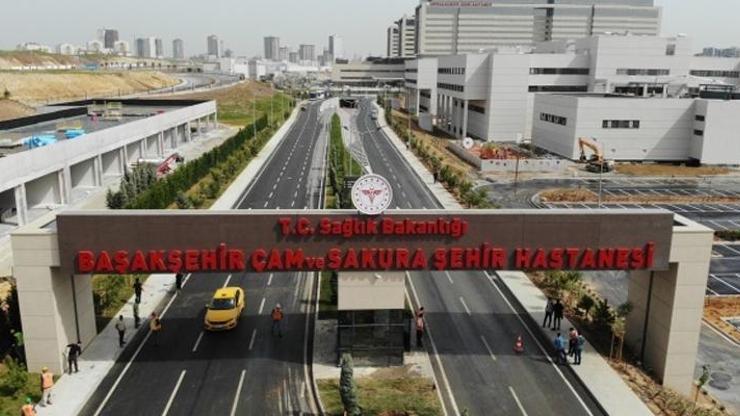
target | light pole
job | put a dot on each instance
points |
(254, 117)
(601, 172)
(272, 96)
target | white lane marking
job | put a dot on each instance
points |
(518, 403)
(266, 202)
(238, 392)
(270, 196)
(726, 283)
(720, 334)
(185, 280)
(436, 357)
(488, 347)
(274, 186)
(292, 204)
(197, 341)
(228, 279)
(729, 248)
(547, 356)
(449, 277)
(467, 310)
(131, 360)
(251, 341)
(262, 306)
(269, 280)
(174, 392)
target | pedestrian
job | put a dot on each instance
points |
(137, 290)
(557, 312)
(420, 312)
(434, 175)
(73, 352)
(155, 326)
(121, 328)
(419, 330)
(137, 318)
(178, 282)
(277, 318)
(548, 313)
(580, 343)
(47, 383)
(559, 344)
(28, 409)
(572, 341)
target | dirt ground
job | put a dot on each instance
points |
(585, 195)
(669, 170)
(716, 308)
(439, 144)
(38, 88)
(10, 109)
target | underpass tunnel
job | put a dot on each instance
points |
(8, 208)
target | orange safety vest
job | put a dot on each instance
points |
(27, 410)
(47, 380)
(277, 315)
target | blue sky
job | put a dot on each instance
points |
(243, 23)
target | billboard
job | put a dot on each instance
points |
(119, 242)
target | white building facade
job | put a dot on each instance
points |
(491, 95)
(444, 27)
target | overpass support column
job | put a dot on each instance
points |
(21, 204)
(160, 144)
(663, 327)
(55, 309)
(65, 185)
(123, 157)
(188, 133)
(418, 101)
(98, 173)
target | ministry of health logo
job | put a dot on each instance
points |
(372, 194)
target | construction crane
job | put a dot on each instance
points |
(596, 162)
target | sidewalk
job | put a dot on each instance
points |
(602, 381)
(443, 196)
(71, 392)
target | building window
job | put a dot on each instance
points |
(451, 71)
(670, 50)
(451, 87)
(410, 81)
(715, 74)
(413, 70)
(558, 88)
(620, 124)
(476, 108)
(559, 71)
(699, 118)
(642, 72)
(699, 133)
(425, 94)
(551, 118)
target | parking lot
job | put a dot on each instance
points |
(717, 216)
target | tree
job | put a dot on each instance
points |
(182, 201)
(702, 380)
(586, 303)
(114, 200)
(15, 377)
(347, 387)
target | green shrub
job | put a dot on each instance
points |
(586, 303)
(14, 378)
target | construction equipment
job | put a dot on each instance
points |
(596, 162)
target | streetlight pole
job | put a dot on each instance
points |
(601, 172)
(254, 117)
(272, 96)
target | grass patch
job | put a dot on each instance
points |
(110, 293)
(235, 104)
(386, 397)
(657, 169)
(12, 398)
(328, 298)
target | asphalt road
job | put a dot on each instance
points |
(472, 322)
(246, 371)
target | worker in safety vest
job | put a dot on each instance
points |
(277, 318)
(47, 382)
(28, 409)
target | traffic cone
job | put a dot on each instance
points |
(519, 345)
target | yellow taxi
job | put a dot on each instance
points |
(225, 309)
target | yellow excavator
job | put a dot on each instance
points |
(596, 162)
